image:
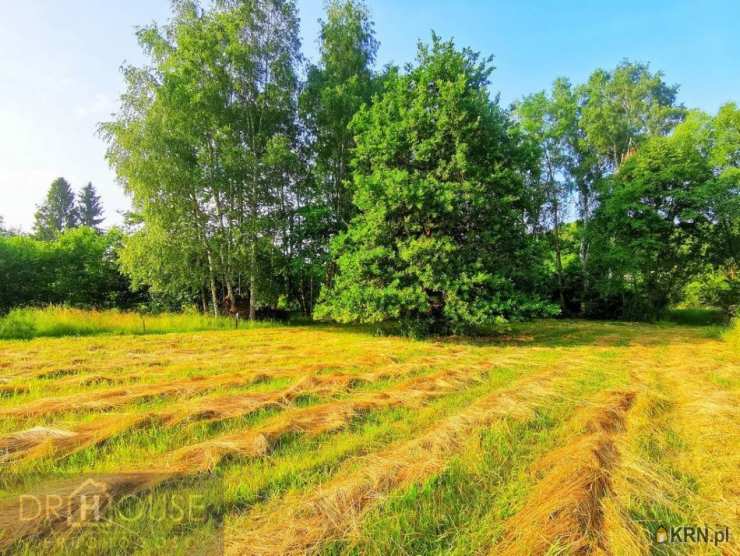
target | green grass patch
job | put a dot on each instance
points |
(53, 321)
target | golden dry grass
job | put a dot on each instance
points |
(318, 438)
(565, 507)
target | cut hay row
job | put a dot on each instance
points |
(111, 399)
(10, 390)
(62, 502)
(255, 442)
(701, 406)
(315, 420)
(122, 394)
(565, 508)
(302, 523)
(669, 469)
(40, 442)
(299, 349)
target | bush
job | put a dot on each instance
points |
(77, 268)
(696, 316)
(17, 325)
(715, 287)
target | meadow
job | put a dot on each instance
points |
(554, 437)
(56, 320)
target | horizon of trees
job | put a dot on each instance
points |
(365, 194)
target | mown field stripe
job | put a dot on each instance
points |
(302, 523)
(251, 443)
(37, 442)
(564, 508)
(679, 455)
(297, 462)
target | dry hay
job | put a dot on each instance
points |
(110, 399)
(565, 508)
(239, 405)
(10, 390)
(693, 434)
(94, 380)
(301, 523)
(315, 420)
(44, 442)
(256, 442)
(39, 442)
(22, 442)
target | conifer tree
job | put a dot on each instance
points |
(89, 207)
(58, 212)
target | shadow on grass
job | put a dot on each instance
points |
(563, 333)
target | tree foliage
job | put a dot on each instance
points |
(651, 219)
(79, 267)
(335, 89)
(439, 241)
(217, 106)
(671, 210)
(389, 194)
(58, 212)
(89, 207)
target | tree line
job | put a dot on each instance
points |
(410, 194)
(68, 259)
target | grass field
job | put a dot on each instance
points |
(57, 321)
(560, 437)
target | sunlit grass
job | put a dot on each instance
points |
(732, 335)
(675, 458)
(55, 321)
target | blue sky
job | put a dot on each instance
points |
(59, 63)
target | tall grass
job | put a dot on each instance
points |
(56, 321)
(732, 334)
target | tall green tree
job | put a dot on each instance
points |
(89, 207)
(58, 212)
(335, 89)
(718, 138)
(723, 192)
(593, 128)
(195, 139)
(624, 107)
(618, 110)
(439, 240)
(342, 80)
(550, 122)
(650, 227)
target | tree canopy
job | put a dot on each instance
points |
(89, 207)
(58, 212)
(261, 181)
(439, 240)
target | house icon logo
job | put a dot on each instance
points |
(87, 503)
(661, 535)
